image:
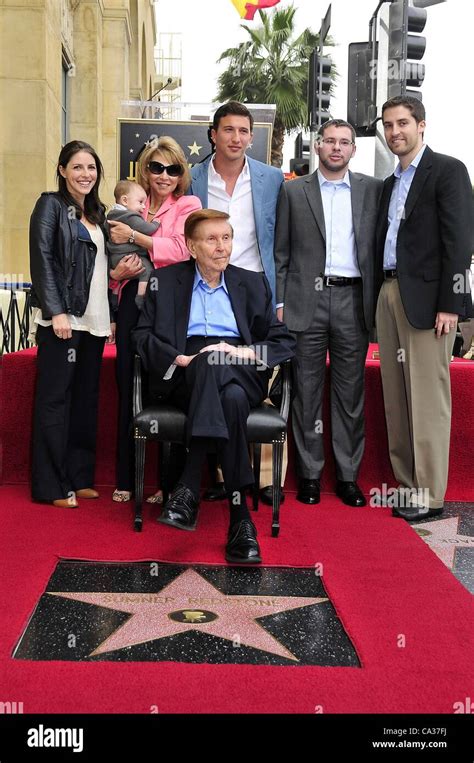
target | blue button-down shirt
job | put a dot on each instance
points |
(341, 250)
(211, 310)
(396, 210)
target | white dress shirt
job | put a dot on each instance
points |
(245, 252)
(341, 249)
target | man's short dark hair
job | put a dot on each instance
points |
(336, 123)
(232, 107)
(414, 106)
(200, 216)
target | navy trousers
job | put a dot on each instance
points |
(65, 413)
(217, 396)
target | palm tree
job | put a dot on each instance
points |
(272, 67)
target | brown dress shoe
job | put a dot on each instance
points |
(87, 492)
(66, 503)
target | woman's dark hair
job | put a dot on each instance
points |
(94, 209)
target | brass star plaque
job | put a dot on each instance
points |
(210, 614)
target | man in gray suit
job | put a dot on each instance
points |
(324, 255)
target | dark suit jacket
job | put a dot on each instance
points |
(162, 328)
(434, 240)
(300, 244)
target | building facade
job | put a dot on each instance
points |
(65, 68)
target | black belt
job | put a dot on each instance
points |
(340, 281)
(389, 274)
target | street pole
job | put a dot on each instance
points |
(384, 160)
(315, 125)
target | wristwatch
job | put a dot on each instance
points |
(131, 238)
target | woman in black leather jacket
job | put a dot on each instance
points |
(70, 287)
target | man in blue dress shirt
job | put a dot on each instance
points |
(424, 237)
(209, 337)
(324, 255)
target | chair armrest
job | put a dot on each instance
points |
(137, 386)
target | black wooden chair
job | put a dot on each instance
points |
(165, 423)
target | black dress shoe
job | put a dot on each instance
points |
(242, 546)
(266, 495)
(416, 513)
(385, 501)
(350, 493)
(309, 491)
(181, 509)
(215, 493)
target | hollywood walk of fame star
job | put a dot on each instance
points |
(194, 149)
(190, 602)
(442, 536)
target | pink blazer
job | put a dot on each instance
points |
(168, 241)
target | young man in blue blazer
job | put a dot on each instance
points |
(244, 188)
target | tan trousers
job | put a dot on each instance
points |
(266, 465)
(266, 462)
(266, 469)
(416, 384)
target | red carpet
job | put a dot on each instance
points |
(16, 400)
(381, 577)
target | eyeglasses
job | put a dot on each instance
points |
(173, 170)
(344, 142)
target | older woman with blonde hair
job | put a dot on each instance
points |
(163, 172)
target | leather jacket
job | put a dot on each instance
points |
(61, 263)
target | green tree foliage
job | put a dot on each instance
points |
(272, 67)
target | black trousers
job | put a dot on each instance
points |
(65, 413)
(127, 318)
(217, 396)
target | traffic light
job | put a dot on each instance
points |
(300, 164)
(319, 87)
(301, 147)
(300, 167)
(362, 88)
(406, 46)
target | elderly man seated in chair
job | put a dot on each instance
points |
(208, 337)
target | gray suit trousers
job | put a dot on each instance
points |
(338, 327)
